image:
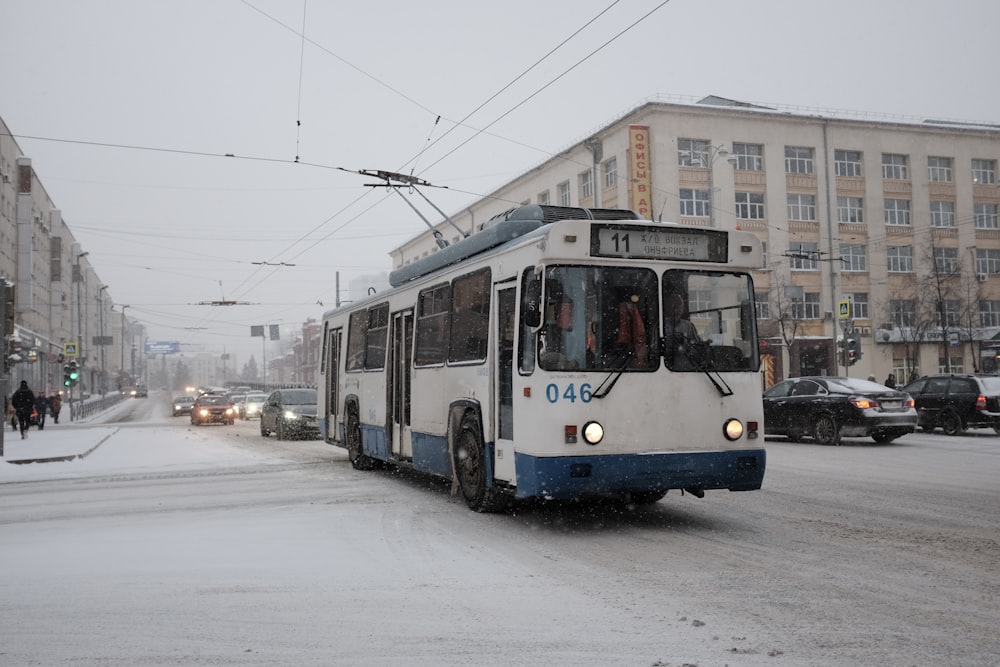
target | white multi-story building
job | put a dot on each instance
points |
(893, 223)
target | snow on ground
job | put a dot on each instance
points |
(99, 445)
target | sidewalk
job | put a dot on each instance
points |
(56, 442)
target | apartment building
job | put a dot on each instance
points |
(880, 229)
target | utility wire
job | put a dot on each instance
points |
(302, 58)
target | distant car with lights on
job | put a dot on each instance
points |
(212, 408)
(183, 405)
(290, 413)
(251, 406)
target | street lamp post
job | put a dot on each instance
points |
(79, 319)
(104, 368)
(123, 339)
(706, 159)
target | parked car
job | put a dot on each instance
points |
(956, 402)
(209, 408)
(828, 408)
(141, 391)
(182, 405)
(290, 413)
(251, 405)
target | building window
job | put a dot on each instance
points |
(750, 205)
(562, 191)
(749, 157)
(543, 198)
(984, 171)
(854, 257)
(694, 203)
(798, 160)
(894, 166)
(847, 163)
(900, 259)
(987, 261)
(939, 169)
(897, 212)
(586, 179)
(859, 306)
(946, 260)
(951, 312)
(762, 305)
(902, 312)
(692, 152)
(611, 173)
(808, 308)
(989, 313)
(942, 214)
(850, 209)
(986, 216)
(802, 207)
(803, 256)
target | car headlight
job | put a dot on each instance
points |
(291, 415)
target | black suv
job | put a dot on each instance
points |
(957, 402)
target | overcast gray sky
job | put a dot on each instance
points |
(173, 222)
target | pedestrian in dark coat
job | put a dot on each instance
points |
(55, 405)
(42, 408)
(23, 401)
(890, 381)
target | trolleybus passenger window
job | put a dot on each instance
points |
(356, 335)
(470, 317)
(378, 331)
(433, 310)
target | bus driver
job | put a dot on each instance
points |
(680, 335)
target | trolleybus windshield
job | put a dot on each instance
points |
(601, 318)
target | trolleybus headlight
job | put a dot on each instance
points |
(733, 429)
(593, 433)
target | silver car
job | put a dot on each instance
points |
(251, 405)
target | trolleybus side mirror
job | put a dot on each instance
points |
(532, 303)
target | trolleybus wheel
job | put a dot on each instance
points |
(470, 468)
(826, 431)
(359, 460)
(951, 423)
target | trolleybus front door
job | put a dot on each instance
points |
(399, 388)
(332, 386)
(503, 391)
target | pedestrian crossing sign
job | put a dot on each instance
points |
(71, 350)
(844, 307)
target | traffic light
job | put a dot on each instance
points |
(853, 349)
(842, 350)
(66, 381)
(72, 373)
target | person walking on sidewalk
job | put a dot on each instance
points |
(23, 401)
(55, 405)
(42, 408)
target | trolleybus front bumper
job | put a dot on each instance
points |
(567, 477)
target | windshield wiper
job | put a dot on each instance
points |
(613, 376)
(716, 379)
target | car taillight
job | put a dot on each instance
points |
(980, 402)
(863, 403)
(909, 403)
